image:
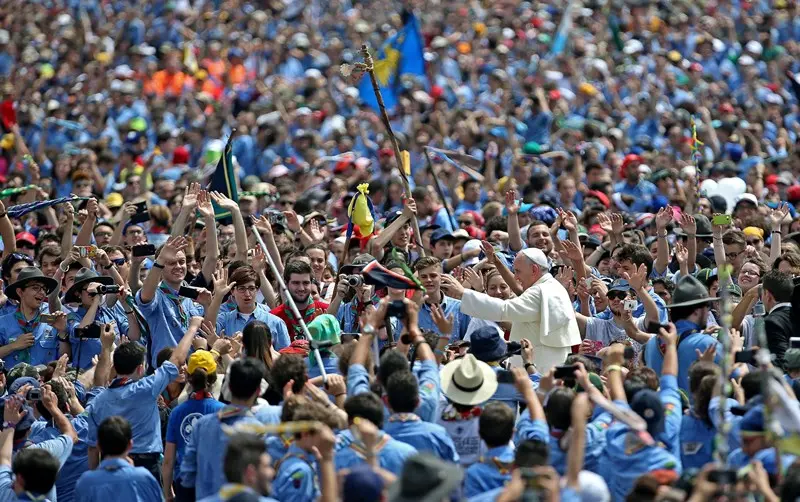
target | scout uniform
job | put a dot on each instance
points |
(424, 436)
(232, 490)
(234, 321)
(168, 316)
(492, 471)
(116, 479)
(391, 453)
(690, 338)
(78, 461)
(324, 328)
(203, 465)
(309, 313)
(45, 345)
(296, 476)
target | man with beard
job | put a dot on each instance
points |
(166, 313)
(24, 337)
(243, 285)
(248, 470)
(297, 275)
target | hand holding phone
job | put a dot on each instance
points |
(143, 250)
(189, 292)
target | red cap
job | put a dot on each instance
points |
(772, 87)
(26, 237)
(386, 152)
(726, 108)
(771, 179)
(793, 193)
(631, 157)
(696, 67)
(342, 166)
(436, 91)
(603, 198)
(554, 94)
(180, 155)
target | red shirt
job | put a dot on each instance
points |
(309, 314)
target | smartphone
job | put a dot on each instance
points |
(143, 250)
(48, 318)
(629, 305)
(505, 376)
(34, 395)
(142, 214)
(629, 353)
(350, 337)
(563, 372)
(794, 343)
(87, 251)
(189, 292)
(588, 282)
(723, 476)
(654, 328)
(759, 310)
(90, 331)
(721, 219)
(745, 356)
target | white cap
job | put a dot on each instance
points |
(645, 169)
(470, 245)
(352, 92)
(536, 256)
(754, 47)
(53, 105)
(123, 71)
(4, 37)
(303, 111)
(278, 171)
(439, 42)
(633, 46)
(313, 73)
(746, 60)
(774, 99)
(748, 197)
(268, 119)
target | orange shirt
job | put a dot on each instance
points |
(164, 83)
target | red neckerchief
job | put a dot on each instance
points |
(119, 382)
(200, 395)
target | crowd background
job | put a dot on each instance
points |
(594, 146)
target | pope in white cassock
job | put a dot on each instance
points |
(543, 313)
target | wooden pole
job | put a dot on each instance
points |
(369, 68)
(437, 185)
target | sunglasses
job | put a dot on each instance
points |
(119, 261)
(616, 295)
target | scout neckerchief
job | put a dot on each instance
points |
(404, 417)
(26, 327)
(177, 300)
(684, 328)
(32, 497)
(357, 308)
(120, 382)
(361, 450)
(231, 411)
(504, 468)
(286, 439)
(309, 313)
(451, 414)
(231, 490)
(203, 394)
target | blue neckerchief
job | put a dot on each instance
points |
(685, 328)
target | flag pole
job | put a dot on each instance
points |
(368, 66)
(437, 185)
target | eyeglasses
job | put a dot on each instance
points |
(246, 289)
(733, 255)
(103, 234)
(36, 288)
(753, 273)
(616, 295)
(119, 261)
(465, 223)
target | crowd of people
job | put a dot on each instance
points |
(583, 286)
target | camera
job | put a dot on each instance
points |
(33, 395)
(355, 280)
(513, 348)
(629, 305)
(103, 289)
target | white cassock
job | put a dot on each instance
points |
(543, 314)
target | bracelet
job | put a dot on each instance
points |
(662, 236)
(215, 353)
(128, 312)
(613, 367)
(340, 394)
(158, 265)
(779, 232)
(109, 267)
(64, 270)
(9, 425)
(530, 364)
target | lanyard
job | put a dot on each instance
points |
(177, 301)
(27, 327)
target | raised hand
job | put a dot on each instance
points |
(688, 223)
(452, 287)
(92, 207)
(717, 230)
(292, 221)
(472, 279)
(128, 210)
(778, 215)
(638, 279)
(663, 217)
(605, 222)
(204, 206)
(171, 249)
(107, 336)
(259, 261)
(582, 290)
(572, 251)
(669, 335)
(314, 231)
(565, 276)
(512, 205)
(220, 279)
(617, 223)
(191, 196)
(568, 220)
(681, 253)
(13, 410)
(262, 224)
(707, 355)
(410, 208)
(224, 202)
(445, 324)
(488, 250)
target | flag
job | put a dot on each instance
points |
(8, 114)
(616, 32)
(21, 210)
(224, 179)
(377, 275)
(361, 214)
(189, 59)
(562, 35)
(401, 55)
(463, 164)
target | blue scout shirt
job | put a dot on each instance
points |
(278, 445)
(45, 346)
(689, 339)
(115, 479)
(329, 361)
(567, 495)
(61, 449)
(450, 306)
(492, 471)
(135, 400)
(734, 438)
(673, 414)
(203, 461)
(7, 488)
(231, 490)
(508, 393)
(296, 477)
(738, 459)
(539, 430)
(78, 461)
(643, 193)
(424, 436)
(391, 453)
(87, 348)
(427, 373)
(233, 321)
(626, 457)
(182, 420)
(168, 317)
(697, 441)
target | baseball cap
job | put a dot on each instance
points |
(620, 285)
(26, 237)
(22, 382)
(362, 484)
(792, 359)
(471, 245)
(202, 359)
(647, 404)
(441, 234)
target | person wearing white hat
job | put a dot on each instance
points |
(543, 313)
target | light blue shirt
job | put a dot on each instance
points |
(392, 454)
(203, 460)
(87, 348)
(450, 306)
(244, 489)
(44, 348)
(424, 436)
(163, 317)
(76, 463)
(181, 424)
(296, 477)
(492, 471)
(233, 321)
(59, 447)
(136, 402)
(115, 479)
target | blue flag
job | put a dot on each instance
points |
(401, 55)
(224, 179)
(21, 210)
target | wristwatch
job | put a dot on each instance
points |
(368, 329)
(63, 337)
